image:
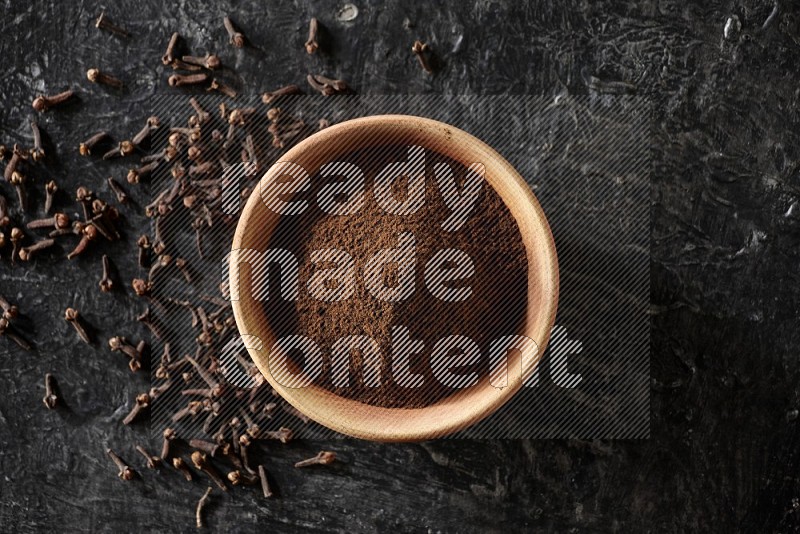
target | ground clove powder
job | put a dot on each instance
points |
(496, 307)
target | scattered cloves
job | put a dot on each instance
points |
(169, 435)
(181, 466)
(103, 217)
(27, 253)
(169, 55)
(178, 80)
(152, 462)
(143, 243)
(235, 37)
(85, 148)
(106, 283)
(210, 61)
(421, 50)
(327, 86)
(10, 311)
(72, 316)
(103, 23)
(50, 398)
(119, 344)
(267, 98)
(162, 262)
(5, 220)
(125, 472)
(155, 391)
(322, 458)
(238, 477)
(284, 435)
(201, 504)
(142, 402)
(144, 133)
(97, 76)
(16, 238)
(122, 196)
(291, 410)
(183, 267)
(135, 175)
(311, 43)
(8, 331)
(57, 221)
(17, 155)
(84, 196)
(88, 234)
(147, 319)
(202, 463)
(226, 90)
(43, 102)
(50, 190)
(262, 474)
(37, 153)
(18, 181)
(202, 115)
(208, 447)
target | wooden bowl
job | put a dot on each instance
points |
(457, 411)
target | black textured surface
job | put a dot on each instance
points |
(725, 446)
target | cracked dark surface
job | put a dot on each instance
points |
(725, 448)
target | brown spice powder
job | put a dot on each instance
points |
(496, 308)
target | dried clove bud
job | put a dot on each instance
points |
(265, 488)
(72, 316)
(169, 436)
(125, 472)
(85, 148)
(235, 37)
(152, 461)
(98, 76)
(142, 402)
(43, 103)
(181, 466)
(421, 50)
(103, 23)
(267, 98)
(311, 43)
(88, 234)
(226, 90)
(9, 332)
(327, 86)
(178, 80)
(322, 458)
(169, 56)
(284, 435)
(201, 462)
(238, 477)
(50, 190)
(50, 398)
(106, 283)
(210, 61)
(37, 153)
(16, 238)
(27, 253)
(200, 505)
(122, 196)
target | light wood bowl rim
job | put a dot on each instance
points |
(355, 419)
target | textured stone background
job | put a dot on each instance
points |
(725, 446)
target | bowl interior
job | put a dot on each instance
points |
(456, 411)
